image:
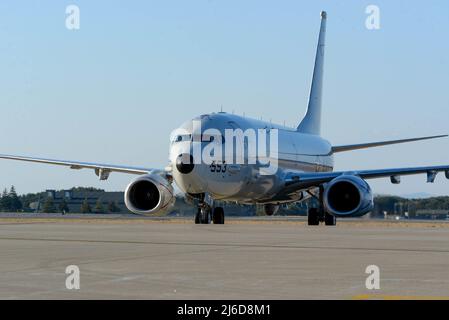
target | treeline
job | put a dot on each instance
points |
(398, 205)
(382, 204)
(10, 201)
(50, 207)
(29, 198)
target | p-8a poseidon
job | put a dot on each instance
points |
(303, 166)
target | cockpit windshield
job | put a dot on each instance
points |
(182, 138)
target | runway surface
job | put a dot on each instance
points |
(138, 259)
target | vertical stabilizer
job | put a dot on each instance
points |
(312, 120)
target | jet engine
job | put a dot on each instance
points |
(149, 194)
(348, 196)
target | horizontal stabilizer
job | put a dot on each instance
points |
(379, 144)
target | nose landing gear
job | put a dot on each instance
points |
(218, 215)
(315, 216)
(206, 213)
(202, 216)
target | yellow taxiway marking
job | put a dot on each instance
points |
(396, 297)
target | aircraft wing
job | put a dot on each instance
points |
(101, 170)
(351, 147)
(302, 180)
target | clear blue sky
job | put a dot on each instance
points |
(113, 90)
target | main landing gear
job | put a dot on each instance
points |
(317, 215)
(206, 214)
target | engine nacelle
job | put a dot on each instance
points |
(348, 196)
(149, 194)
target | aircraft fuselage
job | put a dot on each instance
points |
(246, 182)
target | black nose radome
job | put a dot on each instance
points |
(184, 163)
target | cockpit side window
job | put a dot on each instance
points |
(182, 138)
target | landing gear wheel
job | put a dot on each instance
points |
(329, 220)
(198, 216)
(313, 217)
(218, 215)
(204, 215)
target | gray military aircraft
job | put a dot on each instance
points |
(295, 164)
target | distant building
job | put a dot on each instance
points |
(75, 199)
(432, 214)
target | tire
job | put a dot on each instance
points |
(330, 220)
(204, 215)
(198, 216)
(313, 218)
(218, 215)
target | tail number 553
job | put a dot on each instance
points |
(218, 167)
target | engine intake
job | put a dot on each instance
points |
(348, 196)
(149, 194)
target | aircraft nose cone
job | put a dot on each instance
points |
(184, 163)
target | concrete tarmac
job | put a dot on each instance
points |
(140, 259)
